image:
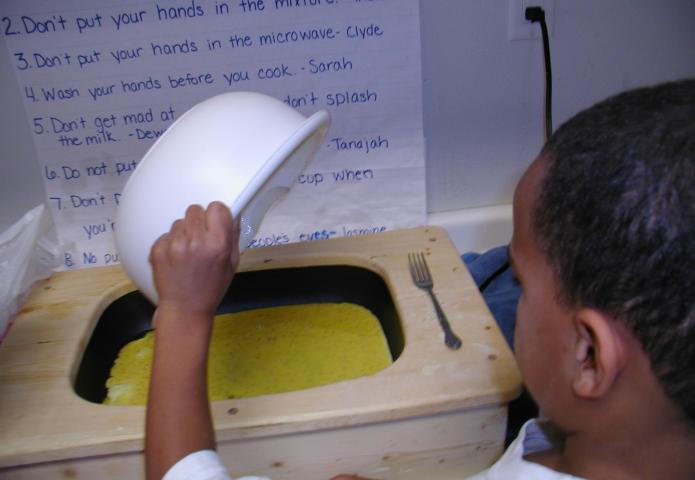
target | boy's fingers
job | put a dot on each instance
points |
(218, 218)
(157, 251)
(195, 218)
(177, 226)
(236, 228)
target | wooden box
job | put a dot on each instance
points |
(435, 413)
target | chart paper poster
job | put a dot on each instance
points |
(102, 80)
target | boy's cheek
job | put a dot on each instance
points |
(526, 343)
(520, 324)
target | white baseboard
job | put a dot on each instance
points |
(476, 229)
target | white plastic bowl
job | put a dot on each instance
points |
(244, 149)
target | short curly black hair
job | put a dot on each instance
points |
(616, 219)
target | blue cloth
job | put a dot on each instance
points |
(498, 286)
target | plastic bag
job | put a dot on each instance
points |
(29, 251)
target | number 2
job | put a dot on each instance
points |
(8, 21)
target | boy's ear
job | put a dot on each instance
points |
(599, 354)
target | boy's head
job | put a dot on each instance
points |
(604, 243)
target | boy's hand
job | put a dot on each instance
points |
(194, 263)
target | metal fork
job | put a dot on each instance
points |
(423, 279)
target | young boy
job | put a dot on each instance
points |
(604, 251)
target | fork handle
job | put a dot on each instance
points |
(450, 338)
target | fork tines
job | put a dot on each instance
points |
(418, 268)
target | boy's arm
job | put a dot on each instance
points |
(193, 265)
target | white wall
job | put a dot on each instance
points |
(483, 94)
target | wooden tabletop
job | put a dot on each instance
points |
(42, 419)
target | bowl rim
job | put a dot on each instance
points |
(311, 125)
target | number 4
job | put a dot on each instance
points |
(29, 92)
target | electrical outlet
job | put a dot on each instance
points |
(520, 28)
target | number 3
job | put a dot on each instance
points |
(23, 64)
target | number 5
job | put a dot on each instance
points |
(38, 127)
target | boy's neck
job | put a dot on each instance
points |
(664, 453)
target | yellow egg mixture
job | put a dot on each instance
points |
(268, 350)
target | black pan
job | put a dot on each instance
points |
(130, 316)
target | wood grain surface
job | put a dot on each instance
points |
(43, 420)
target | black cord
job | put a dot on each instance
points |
(537, 14)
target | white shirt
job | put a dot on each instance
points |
(202, 465)
(532, 438)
